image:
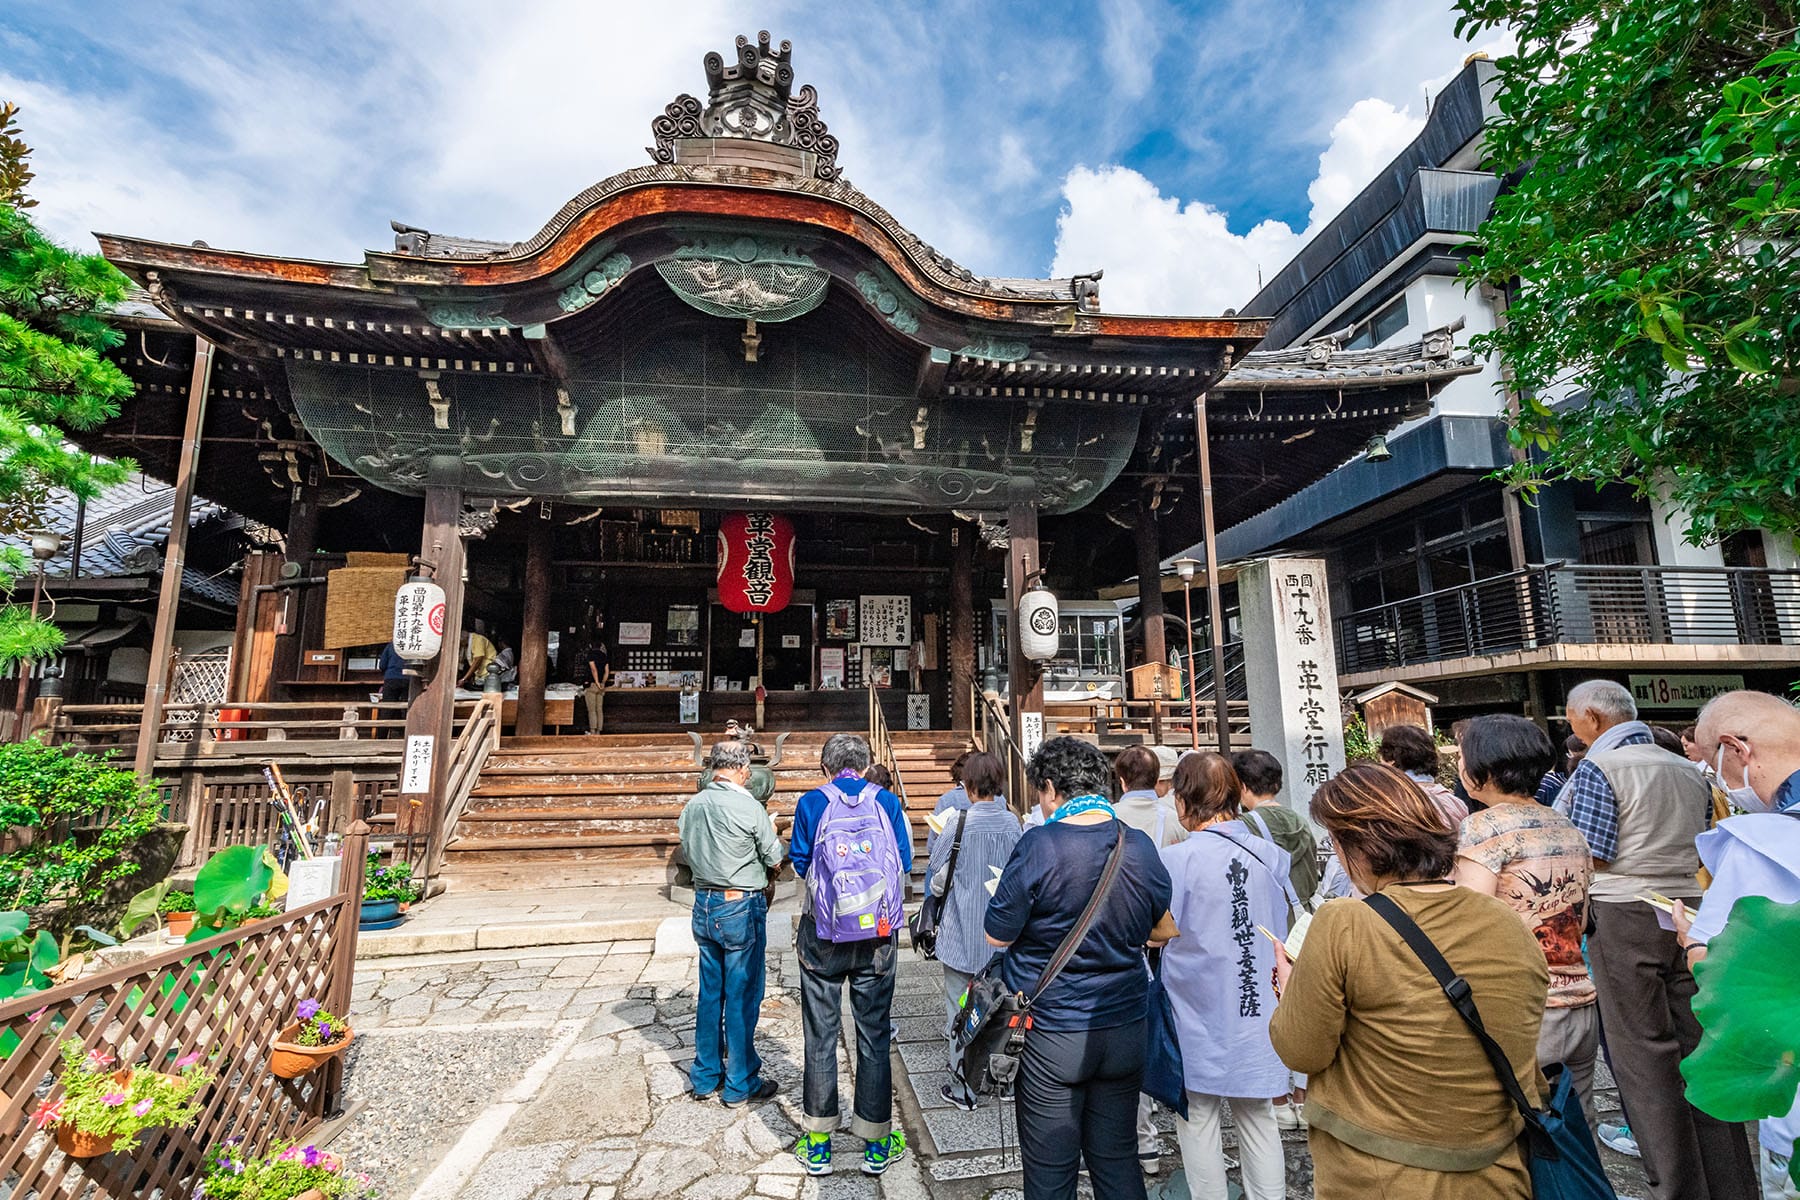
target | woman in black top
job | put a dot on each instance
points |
(1078, 1082)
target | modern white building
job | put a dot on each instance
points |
(1438, 577)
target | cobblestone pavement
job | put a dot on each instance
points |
(559, 1074)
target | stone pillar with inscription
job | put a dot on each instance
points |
(1290, 669)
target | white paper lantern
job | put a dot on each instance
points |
(1038, 625)
(419, 611)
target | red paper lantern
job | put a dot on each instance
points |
(756, 562)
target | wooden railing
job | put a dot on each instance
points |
(993, 733)
(881, 743)
(480, 737)
(224, 999)
(1115, 718)
(195, 730)
(213, 781)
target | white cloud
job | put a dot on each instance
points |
(1165, 256)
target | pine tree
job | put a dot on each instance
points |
(54, 376)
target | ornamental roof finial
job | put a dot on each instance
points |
(752, 98)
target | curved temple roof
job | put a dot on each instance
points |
(735, 322)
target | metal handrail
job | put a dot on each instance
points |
(1576, 604)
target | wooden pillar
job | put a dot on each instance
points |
(963, 538)
(1150, 603)
(534, 636)
(1214, 608)
(1024, 679)
(253, 642)
(168, 602)
(302, 541)
(433, 710)
(1150, 595)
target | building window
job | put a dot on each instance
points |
(1443, 545)
(1380, 327)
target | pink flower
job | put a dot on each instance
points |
(187, 1060)
(114, 1099)
(142, 1106)
(48, 1113)
(39, 1013)
(98, 1060)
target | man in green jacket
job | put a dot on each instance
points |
(729, 841)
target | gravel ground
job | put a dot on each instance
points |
(421, 1089)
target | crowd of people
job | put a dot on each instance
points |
(1159, 881)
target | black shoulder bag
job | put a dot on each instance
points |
(990, 1029)
(1559, 1147)
(923, 928)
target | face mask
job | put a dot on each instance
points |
(1745, 797)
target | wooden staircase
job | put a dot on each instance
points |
(566, 811)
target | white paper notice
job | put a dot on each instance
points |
(415, 776)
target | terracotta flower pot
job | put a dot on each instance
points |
(76, 1144)
(179, 924)
(310, 1194)
(290, 1060)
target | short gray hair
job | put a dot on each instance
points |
(1604, 698)
(844, 752)
(730, 756)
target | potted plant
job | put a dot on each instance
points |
(178, 913)
(386, 893)
(106, 1107)
(286, 1173)
(313, 1039)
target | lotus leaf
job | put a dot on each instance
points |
(1747, 1065)
(143, 907)
(232, 880)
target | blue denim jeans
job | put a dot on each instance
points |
(733, 936)
(868, 967)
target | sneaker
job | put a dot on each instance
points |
(1289, 1116)
(948, 1092)
(1618, 1138)
(1151, 1163)
(765, 1090)
(879, 1156)
(814, 1152)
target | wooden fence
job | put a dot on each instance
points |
(224, 998)
(212, 779)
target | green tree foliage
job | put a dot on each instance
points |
(54, 376)
(78, 815)
(1649, 250)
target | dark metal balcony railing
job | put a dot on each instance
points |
(1592, 605)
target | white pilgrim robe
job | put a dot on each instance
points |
(1219, 972)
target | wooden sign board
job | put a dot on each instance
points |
(1155, 681)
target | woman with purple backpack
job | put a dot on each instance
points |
(1083, 1063)
(853, 847)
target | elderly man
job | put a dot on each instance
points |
(1640, 808)
(1753, 741)
(730, 843)
(849, 825)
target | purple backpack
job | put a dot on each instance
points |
(855, 874)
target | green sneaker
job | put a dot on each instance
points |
(879, 1156)
(814, 1152)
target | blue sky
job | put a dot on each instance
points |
(1180, 146)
